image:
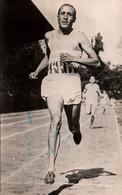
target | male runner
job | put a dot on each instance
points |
(91, 92)
(104, 101)
(62, 86)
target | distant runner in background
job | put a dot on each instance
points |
(61, 88)
(91, 93)
(104, 100)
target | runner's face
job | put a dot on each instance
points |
(92, 80)
(66, 17)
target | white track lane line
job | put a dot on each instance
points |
(29, 163)
(15, 113)
(20, 133)
(31, 114)
(15, 134)
(118, 135)
(26, 131)
(21, 121)
(26, 114)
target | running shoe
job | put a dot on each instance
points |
(77, 136)
(50, 178)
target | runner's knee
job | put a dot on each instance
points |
(75, 125)
(56, 122)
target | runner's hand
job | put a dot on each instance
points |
(33, 75)
(65, 57)
(75, 65)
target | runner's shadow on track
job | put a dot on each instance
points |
(56, 192)
(99, 127)
(78, 174)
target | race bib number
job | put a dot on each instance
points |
(57, 67)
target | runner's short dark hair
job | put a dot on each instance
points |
(66, 4)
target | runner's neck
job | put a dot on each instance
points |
(65, 31)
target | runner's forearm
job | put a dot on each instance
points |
(94, 62)
(42, 65)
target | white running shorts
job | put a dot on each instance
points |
(68, 85)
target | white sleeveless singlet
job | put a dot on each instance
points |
(59, 43)
(62, 79)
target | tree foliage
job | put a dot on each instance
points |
(109, 80)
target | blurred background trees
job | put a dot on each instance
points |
(109, 80)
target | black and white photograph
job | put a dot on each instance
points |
(61, 97)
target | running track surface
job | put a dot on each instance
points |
(93, 167)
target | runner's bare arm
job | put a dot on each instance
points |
(92, 59)
(43, 64)
(99, 92)
(85, 90)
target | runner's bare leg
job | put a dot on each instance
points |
(55, 106)
(73, 116)
(93, 114)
